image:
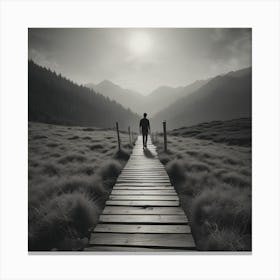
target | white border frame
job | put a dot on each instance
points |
(17, 16)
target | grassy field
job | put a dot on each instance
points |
(71, 171)
(213, 180)
(232, 132)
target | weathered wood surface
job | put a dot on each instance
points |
(143, 192)
(143, 188)
(144, 219)
(139, 228)
(142, 184)
(143, 212)
(144, 203)
(98, 248)
(162, 240)
(143, 197)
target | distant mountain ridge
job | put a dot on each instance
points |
(55, 99)
(224, 97)
(163, 97)
(128, 98)
(157, 100)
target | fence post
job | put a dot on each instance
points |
(118, 135)
(129, 134)
(164, 136)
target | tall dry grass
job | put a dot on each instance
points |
(71, 171)
(213, 181)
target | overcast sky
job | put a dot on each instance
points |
(140, 59)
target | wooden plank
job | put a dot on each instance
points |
(143, 197)
(147, 219)
(128, 249)
(145, 203)
(149, 170)
(144, 173)
(138, 228)
(144, 181)
(143, 176)
(140, 160)
(145, 240)
(143, 166)
(143, 192)
(145, 169)
(143, 188)
(140, 179)
(137, 178)
(143, 184)
(130, 174)
(143, 210)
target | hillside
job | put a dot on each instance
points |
(128, 98)
(222, 98)
(163, 96)
(232, 132)
(55, 99)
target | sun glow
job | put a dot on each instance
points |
(140, 43)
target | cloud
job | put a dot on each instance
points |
(176, 57)
(230, 43)
(42, 59)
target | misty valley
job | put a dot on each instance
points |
(74, 160)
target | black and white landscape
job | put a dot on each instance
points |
(87, 191)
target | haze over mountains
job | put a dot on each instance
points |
(128, 98)
(224, 97)
(54, 99)
(152, 103)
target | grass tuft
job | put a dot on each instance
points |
(66, 216)
(110, 169)
(68, 184)
(122, 154)
(213, 180)
(175, 169)
(72, 158)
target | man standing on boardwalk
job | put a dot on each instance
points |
(145, 126)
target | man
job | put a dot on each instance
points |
(145, 127)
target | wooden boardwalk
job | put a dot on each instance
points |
(143, 211)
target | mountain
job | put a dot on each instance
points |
(223, 97)
(55, 99)
(128, 98)
(157, 100)
(163, 96)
